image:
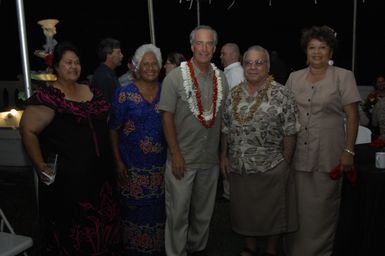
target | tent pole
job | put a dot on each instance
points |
(354, 36)
(151, 19)
(23, 47)
(26, 72)
(198, 13)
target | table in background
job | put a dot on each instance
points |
(361, 227)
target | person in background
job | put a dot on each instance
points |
(139, 151)
(129, 76)
(371, 100)
(230, 56)
(104, 77)
(378, 118)
(278, 68)
(364, 119)
(78, 207)
(376, 94)
(192, 100)
(174, 59)
(326, 95)
(259, 129)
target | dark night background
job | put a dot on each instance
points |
(276, 27)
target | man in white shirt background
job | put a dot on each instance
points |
(233, 70)
(230, 57)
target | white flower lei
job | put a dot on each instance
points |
(191, 95)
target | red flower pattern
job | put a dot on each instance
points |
(156, 179)
(135, 97)
(103, 229)
(143, 239)
(122, 97)
(129, 127)
(147, 146)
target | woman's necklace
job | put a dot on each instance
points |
(242, 119)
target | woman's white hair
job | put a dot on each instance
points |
(143, 49)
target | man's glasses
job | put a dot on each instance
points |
(257, 63)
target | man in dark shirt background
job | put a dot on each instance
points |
(104, 77)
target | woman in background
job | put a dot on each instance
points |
(174, 59)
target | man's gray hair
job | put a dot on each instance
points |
(192, 34)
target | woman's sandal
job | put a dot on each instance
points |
(248, 252)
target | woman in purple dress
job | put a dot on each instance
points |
(140, 153)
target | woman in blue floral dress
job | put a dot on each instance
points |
(140, 153)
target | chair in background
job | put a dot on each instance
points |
(12, 244)
(364, 135)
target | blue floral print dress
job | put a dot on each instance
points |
(143, 150)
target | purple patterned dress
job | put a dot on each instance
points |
(143, 149)
(79, 212)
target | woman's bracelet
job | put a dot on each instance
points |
(349, 151)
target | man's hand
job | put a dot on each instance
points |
(224, 161)
(178, 165)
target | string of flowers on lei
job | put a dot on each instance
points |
(193, 93)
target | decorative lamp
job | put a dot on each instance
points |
(49, 30)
